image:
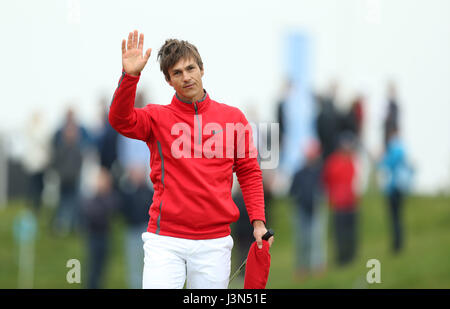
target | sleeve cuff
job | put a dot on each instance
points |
(125, 74)
(258, 219)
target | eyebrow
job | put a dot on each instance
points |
(189, 66)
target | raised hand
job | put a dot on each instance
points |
(133, 60)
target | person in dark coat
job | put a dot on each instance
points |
(328, 123)
(67, 159)
(391, 121)
(97, 213)
(309, 229)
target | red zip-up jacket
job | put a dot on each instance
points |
(193, 155)
(339, 177)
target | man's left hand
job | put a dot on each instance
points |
(259, 229)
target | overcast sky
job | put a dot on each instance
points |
(59, 53)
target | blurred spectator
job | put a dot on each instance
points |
(357, 110)
(84, 139)
(107, 142)
(96, 213)
(68, 144)
(37, 143)
(328, 122)
(309, 226)
(391, 122)
(339, 177)
(281, 110)
(137, 196)
(352, 121)
(397, 176)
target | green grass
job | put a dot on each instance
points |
(52, 253)
(424, 262)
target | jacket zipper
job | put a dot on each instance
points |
(199, 126)
(158, 219)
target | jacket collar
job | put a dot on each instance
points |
(189, 107)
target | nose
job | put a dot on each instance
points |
(186, 76)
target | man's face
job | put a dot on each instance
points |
(186, 79)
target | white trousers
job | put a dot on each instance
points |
(169, 262)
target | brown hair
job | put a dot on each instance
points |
(173, 50)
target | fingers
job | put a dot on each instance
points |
(130, 40)
(147, 54)
(135, 39)
(258, 233)
(123, 46)
(259, 242)
(141, 41)
(271, 239)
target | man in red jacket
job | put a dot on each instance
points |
(195, 146)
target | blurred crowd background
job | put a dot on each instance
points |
(358, 88)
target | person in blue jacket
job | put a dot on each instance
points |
(397, 176)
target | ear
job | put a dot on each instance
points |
(202, 71)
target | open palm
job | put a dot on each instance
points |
(133, 59)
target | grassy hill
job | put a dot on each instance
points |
(424, 263)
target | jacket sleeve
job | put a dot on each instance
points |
(123, 116)
(248, 171)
